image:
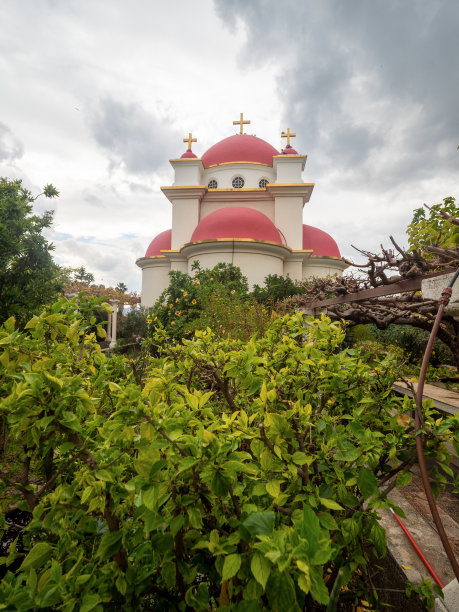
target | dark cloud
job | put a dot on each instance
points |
(132, 136)
(371, 88)
(11, 147)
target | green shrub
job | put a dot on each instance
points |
(133, 325)
(276, 288)
(239, 475)
(191, 302)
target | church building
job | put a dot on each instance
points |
(241, 202)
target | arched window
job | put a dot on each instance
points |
(212, 184)
(263, 182)
(238, 182)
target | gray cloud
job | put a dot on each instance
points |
(132, 136)
(371, 88)
(11, 147)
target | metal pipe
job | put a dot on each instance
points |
(419, 551)
(445, 296)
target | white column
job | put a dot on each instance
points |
(113, 318)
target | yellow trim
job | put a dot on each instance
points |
(170, 250)
(328, 257)
(238, 240)
(155, 256)
(238, 189)
(239, 162)
(289, 184)
(302, 250)
(288, 155)
(185, 159)
(183, 187)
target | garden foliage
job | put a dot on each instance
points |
(29, 278)
(227, 474)
(218, 298)
(433, 230)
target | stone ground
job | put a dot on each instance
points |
(420, 524)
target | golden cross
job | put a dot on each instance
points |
(189, 140)
(241, 122)
(288, 134)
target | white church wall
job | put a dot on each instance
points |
(294, 269)
(154, 280)
(251, 173)
(288, 168)
(185, 218)
(288, 218)
(264, 206)
(187, 172)
(321, 267)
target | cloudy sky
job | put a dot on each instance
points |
(96, 96)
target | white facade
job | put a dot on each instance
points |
(274, 189)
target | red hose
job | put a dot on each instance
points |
(419, 551)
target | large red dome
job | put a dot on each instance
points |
(321, 243)
(236, 222)
(239, 148)
(161, 242)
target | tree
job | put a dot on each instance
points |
(122, 287)
(28, 274)
(435, 230)
(81, 275)
(392, 265)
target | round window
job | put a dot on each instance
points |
(212, 184)
(238, 182)
(262, 183)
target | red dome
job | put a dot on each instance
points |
(236, 222)
(188, 155)
(162, 242)
(289, 150)
(321, 243)
(239, 148)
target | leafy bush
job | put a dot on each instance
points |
(191, 302)
(410, 340)
(241, 475)
(133, 325)
(433, 230)
(276, 288)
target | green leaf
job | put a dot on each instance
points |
(318, 587)
(89, 602)
(109, 544)
(300, 458)
(348, 452)
(260, 523)
(403, 479)
(121, 583)
(330, 503)
(231, 566)
(150, 497)
(327, 521)
(39, 554)
(310, 528)
(220, 484)
(261, 568)
(367, 483)
(186, 463)
(281, 591)
(273, 487)
(378, 537)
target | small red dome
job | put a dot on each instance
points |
(289, 150)
(321, 243)
(188, 155)
(239, 148)
(236, 222)
(161, 242)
